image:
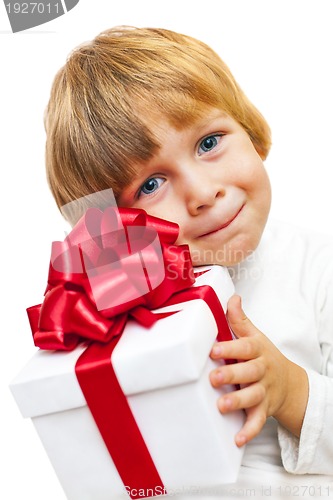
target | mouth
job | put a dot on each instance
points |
(223, 226)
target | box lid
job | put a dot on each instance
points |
(173, 351)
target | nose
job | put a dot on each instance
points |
(201, 191)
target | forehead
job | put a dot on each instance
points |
(162, 127)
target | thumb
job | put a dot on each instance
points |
(237, 319)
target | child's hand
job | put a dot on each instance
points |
(271, 385)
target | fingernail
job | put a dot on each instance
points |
(217, 350)
(227, 403)
(240, 440)
(219, 376)
(224, 404)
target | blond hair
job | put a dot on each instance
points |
(97, 117)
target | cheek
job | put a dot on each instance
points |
(253, 178)
(264, 190)
(169, 212)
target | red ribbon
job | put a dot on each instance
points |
(69, 315)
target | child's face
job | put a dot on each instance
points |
(209, 179)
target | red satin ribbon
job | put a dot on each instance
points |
(114, 419)
(69, 315)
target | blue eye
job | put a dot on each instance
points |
(208, 143)
(151, 185)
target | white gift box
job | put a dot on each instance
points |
(164, 373)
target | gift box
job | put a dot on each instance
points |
(164, 373)
(128, 410)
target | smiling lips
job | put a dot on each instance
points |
(223, 225)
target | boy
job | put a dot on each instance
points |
(157, 117)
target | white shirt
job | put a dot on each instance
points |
(286, 287)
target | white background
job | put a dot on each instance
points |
(280, 51)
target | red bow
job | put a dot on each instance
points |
(94, 266)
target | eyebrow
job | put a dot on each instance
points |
(206, 121)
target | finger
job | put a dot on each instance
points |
(241, 349)
(238, 321)
(220, 349)
(238, 373)
(244, 398)
(255, 420)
